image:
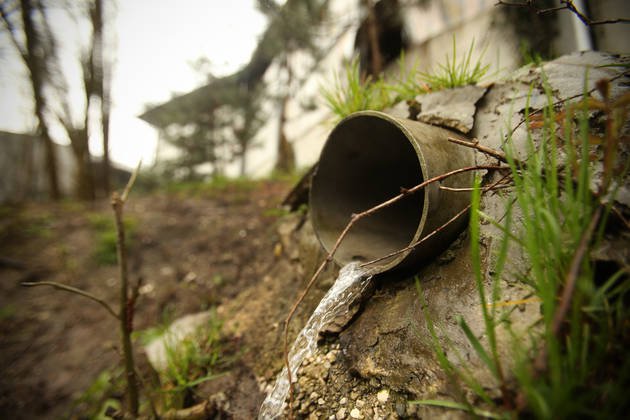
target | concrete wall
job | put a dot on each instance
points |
(22, 168)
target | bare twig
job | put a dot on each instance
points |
(566, 5)
(417, 243)
(354, 218)
(474, 144)
(74, 290)
(126, 304)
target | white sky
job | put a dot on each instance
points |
(156, 42)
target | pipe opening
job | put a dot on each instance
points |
(366, 161)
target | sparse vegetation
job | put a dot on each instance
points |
(455, 73)
(355, 93)
(106, 236)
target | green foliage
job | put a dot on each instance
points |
(215, 187)
(7, 312)
(575, 368)
(455, 73)
(355, 94)
(95, 400)
(528, 55)
(409, 83)
(38, 226)
(106, 237)
(195, 359)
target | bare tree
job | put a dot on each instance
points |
(39, 52)
(35, 58)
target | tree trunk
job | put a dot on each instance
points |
(285, 161)
(84, 180)
(243, 169)
(376, 62)
(35, 66)
(101, 75)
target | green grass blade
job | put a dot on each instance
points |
(458, 406)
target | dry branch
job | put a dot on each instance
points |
(126, 304)
(566, 5)
(74, 290)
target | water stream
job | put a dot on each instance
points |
(336, 300)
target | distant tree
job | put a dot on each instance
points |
(36, 58)
(39, 52)
(291, 28)
(247, 119)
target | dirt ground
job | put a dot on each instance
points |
(192, 249)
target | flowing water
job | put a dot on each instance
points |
(337, 299)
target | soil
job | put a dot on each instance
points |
(192, 251)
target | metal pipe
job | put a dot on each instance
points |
(367, 159)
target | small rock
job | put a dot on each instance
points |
(354, 395)
(360, 403)
(382, 396)
(332, 417)
(343, 401)
(341, 413)
(356, 414)
(321, 401)
(314, 396)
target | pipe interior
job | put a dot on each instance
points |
(366, 161)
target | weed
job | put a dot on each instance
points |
(7, 312)
(409, 83)
(106, 237)
(195, 359)
(355, 93)
(96, 399)
(38, 226)
(454, 74)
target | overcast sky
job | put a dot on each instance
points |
(157, 40)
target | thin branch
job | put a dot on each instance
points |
(130, 183)
(418, 243)
(474, 144)
(566, 5)
(354, 219)
(5, 15)
(73, 290)
(126, 304)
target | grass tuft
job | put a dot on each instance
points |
(355, 93)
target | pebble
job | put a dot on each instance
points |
(360, 403)
(321, 401)
(354, 395)
(356, 414)
(314, 396)
(341, 413)
(343, 401)
(382, 396)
